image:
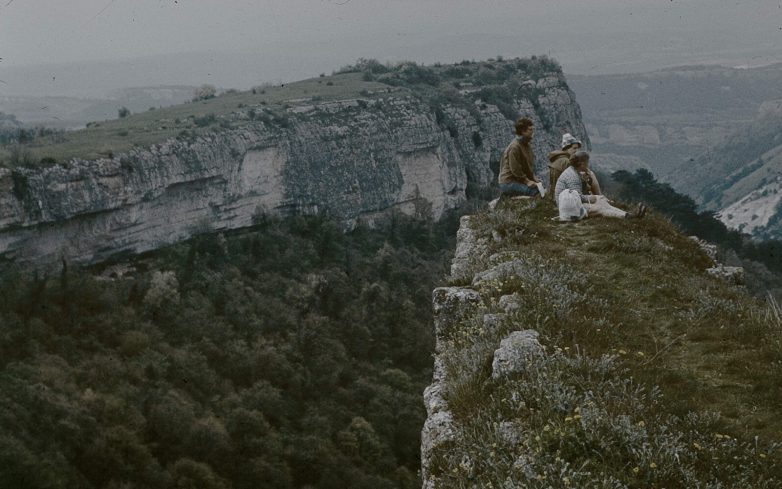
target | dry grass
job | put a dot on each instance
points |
(646, 303)
(147, 128)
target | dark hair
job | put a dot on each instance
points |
(578, 157)
(522, 125)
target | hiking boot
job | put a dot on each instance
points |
(638, 213)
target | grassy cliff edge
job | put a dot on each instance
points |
(634, 368)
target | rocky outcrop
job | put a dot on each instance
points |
(728, 274)
(481, 321)
(353, 159)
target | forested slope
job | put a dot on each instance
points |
(290, 355)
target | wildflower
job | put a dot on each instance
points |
(576, 416)
(697, 447)
(762, 455)
(652, 465)
(568, 419)
(641, 423)
(577, 410)
(546, 428)
(640, 353)
(622, 352)
(566, 481)
(636, 470)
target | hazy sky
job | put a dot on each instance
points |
(235, 43)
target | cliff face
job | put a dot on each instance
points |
(354, 159)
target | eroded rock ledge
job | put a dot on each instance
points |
(353, 159)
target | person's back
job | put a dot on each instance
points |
(568, 180)
(514, 152)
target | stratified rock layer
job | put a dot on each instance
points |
(354, 159)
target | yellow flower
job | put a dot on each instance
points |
(641, 423)
(762, 455)
(698, 447)
(636, 470)
(568, 419)
(622, 352)
(577, 410)
(652, 465)
(640, 353)
(546, 428)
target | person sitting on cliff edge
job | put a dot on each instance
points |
(596, 205)
(517, 176)
(560, 160)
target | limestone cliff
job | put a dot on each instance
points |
(353, 158)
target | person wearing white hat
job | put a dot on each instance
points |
(560, 160)
(596, 205)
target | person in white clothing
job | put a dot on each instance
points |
(596, 205)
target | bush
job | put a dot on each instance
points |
(204, 92)
(477, 140)
(123, 112)
(205, 120)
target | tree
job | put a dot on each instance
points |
(204, 92)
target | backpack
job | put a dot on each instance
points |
(570, 206)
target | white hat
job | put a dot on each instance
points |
(570, 206)
(568, 139)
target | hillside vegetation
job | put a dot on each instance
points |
(655, 374)
(287, 355)
(490, 80)
(743, 162)
(673, 121)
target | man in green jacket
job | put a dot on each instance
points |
(517, 175)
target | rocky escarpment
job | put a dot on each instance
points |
(354, 159)
(532, 370)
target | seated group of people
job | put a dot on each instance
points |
(574, 186)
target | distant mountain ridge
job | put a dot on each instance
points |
(664, 120)
(71, 112)
(741, 177)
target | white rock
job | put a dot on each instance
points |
(515, 353)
